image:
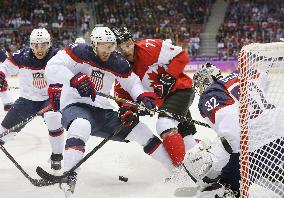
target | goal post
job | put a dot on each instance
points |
(261, 68)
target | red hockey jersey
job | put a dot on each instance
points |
(153, 57)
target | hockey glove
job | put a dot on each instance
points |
(54, 93)
(128, 115)
(84, 85)
(148, 100)
(8, 106)
(3, 82)
(164, 85)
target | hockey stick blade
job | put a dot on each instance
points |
(61, 178)
(35, 182)
(49, 177)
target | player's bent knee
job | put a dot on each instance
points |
(53, 120)
(164, 124)
(80, 128)
(141, 134)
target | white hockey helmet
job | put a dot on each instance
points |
(80, 40)
(40, 35)
(102, 34)
(205, 76)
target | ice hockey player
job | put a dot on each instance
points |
(160, 66)
(84, 70)
(6, 97)
(29, 64)
(219, 105)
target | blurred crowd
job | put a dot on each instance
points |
(245, 21)
(19, 17)
(180, 21)
(249, 21)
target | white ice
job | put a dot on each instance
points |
(98, 176)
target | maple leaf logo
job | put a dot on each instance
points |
(153, 76)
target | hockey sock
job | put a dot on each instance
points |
(174, 145)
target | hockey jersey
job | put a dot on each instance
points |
(30, 70)
(153, 57)
(219, 105)
(81, 58)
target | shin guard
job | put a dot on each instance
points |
(174, 145)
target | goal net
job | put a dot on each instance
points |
(261, 69)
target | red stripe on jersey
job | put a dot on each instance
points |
(230, 101)
(56, 134)
(231, 82)
(77, 148)
(93, 64)
(10, 58)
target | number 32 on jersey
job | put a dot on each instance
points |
(211, 104)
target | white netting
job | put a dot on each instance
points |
(261, 69)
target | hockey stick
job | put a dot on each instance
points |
(12, 129)
(62, 178)
(24, 122)
(142, 107)
(189, 174)
(35, 182)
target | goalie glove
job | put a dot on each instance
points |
(128, 115)
(3, 82)
(54, 93)
(164, 85)
(84, 85)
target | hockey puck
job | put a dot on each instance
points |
(122, 178)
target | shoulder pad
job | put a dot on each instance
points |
(80, 50)
(119, 64)
(212, 99)
(22, 56)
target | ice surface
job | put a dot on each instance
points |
(98, 177)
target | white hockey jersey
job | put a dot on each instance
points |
(219, 105)
(81, 58)
(30, 71)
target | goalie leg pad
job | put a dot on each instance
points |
(174, 145)
(205, 161)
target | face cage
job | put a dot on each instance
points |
(203, 82)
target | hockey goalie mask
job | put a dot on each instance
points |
(40, 42)
(204, 77)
